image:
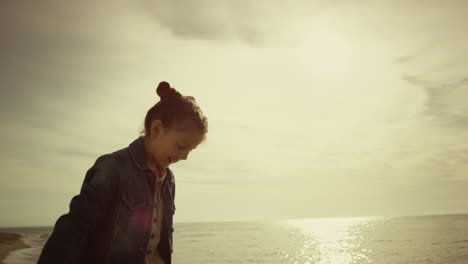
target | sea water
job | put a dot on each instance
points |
(379, 240)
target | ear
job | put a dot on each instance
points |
(156, 128)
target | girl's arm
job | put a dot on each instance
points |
(66, 242)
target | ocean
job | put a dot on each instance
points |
(357, 240)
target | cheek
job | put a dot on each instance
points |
(162, 151)
(168, 151)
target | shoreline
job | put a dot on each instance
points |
(10, 242)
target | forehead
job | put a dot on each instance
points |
(190, 137)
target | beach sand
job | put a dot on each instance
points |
(8, 243)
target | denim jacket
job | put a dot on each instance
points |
(110, 219)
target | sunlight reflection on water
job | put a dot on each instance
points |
(377, 240)
(331, 240)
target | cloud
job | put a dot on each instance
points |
(437, 65)
(218, 20)
(411, 57)
(255, 23)
(446, 101)
(439, 156)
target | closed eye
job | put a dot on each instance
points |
(181, 147)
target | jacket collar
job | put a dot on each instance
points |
(139, 156)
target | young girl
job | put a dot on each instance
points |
(124, 211)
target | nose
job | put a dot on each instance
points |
(184, 155)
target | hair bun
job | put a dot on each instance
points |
(163, 90)
(166, 93)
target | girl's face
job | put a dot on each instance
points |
(167, 146)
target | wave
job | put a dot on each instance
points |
(30, 255)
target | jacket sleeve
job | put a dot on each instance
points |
(97, 193)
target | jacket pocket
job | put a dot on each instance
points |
(133, 201)
(135, 214)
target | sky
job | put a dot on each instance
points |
(315, 108)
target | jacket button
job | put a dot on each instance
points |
(172, 230)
